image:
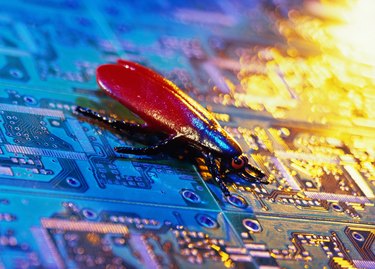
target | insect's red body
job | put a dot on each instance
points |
(163, 106)
(168, 110)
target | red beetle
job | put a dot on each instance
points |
(168, 110)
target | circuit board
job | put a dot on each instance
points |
(277, 75)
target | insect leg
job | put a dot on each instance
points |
(119, 125)
(255, 170)
(154, 149)
(214, 170)
(253, 174)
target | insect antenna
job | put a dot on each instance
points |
(119, 125)
(153, 149)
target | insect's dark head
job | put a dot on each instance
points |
(240, 166)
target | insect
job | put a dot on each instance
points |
(168, 110)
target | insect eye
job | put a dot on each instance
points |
(238, 163)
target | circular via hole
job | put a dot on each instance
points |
(16, 73)
(237, 201)
(357, 236)
(73, 182)
(89, 214)
(200, 188)
(337, 207)
(251, 225)
(206, 221)
(29, 100)
(191, 196)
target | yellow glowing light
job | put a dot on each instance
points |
(326, 71)
(356, 37)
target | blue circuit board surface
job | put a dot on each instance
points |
(271, 72)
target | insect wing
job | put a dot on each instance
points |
(160, 103)
(203, 113)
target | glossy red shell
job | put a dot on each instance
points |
(163, 106)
